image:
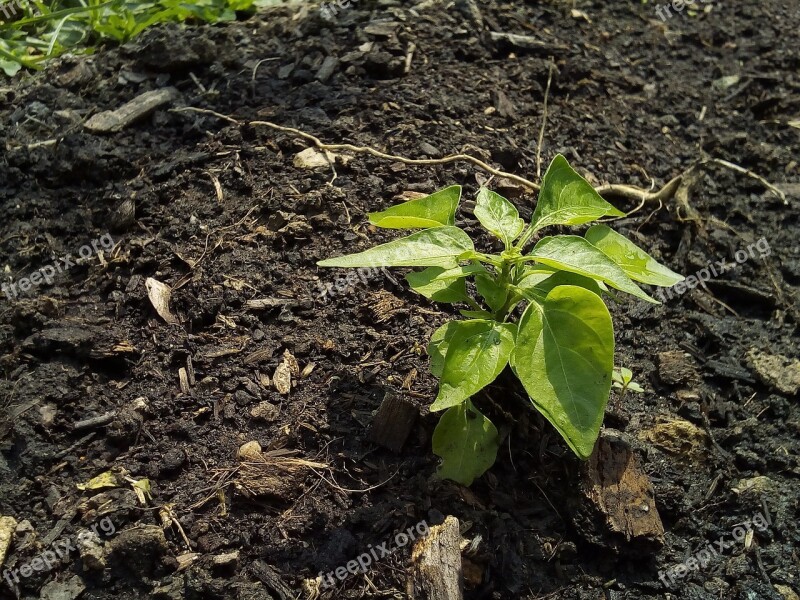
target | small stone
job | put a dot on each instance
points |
(140, 547)
(63, 590)
(141, 405)
(265, 411)
(313, 158)
(777, 371)
(676, 368)
(756, 486)
(738, 566)
(252, 388)
(786, 592)
(7, 527)
(226, 561)
(173, 460)
(250, 451)
(92, 552)
(677, 436)
(124, 215)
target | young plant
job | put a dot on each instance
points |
(561, 348)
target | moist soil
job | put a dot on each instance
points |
(221, 213)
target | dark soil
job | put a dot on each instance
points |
(632, 98)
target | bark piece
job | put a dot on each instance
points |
(617, 506)
(393, 422)
(436, 564)
(675, 367)
(271, 578)
(116, 120)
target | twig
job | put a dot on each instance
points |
(93, 422)
(749, 173)
(544, 122)
(611, 190)
(367, 150)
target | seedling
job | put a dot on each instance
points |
(623, 380)
(561, 348)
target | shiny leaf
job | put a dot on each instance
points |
(564, 357)
(431, 211)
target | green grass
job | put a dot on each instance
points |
(37, 31)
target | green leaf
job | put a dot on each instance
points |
(437, 347)
(498, 216)
(566, 198)
(476, 314)
(477, 352)
(636, 263)
(436, 247)
(467, 443)
(538, 281)
(443, 285)
(495, 295)
(576, 255)
(431, 211)
(564, 357)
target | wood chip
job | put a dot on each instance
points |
(393, 422)
(289, 358)
(258, 356)
(527, 42)
(159, 294)
(618, 508)
(130, 112)
(272, 580)
(436, 564)
(184, 380)
(267, 303)
(190, 370)
(283, 378)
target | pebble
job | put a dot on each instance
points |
(173, 460)
(265, 411)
